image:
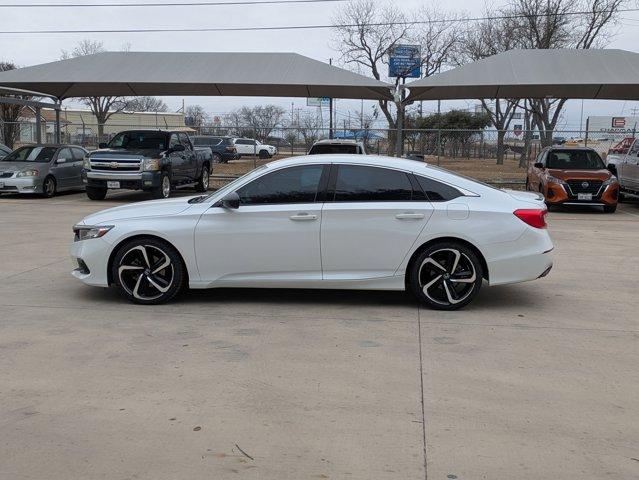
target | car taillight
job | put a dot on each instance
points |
(535, 217)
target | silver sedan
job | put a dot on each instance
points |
(42, 169)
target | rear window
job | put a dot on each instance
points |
(574, 160)
(324, 149)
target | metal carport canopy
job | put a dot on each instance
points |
(194, 74)
(558, 73)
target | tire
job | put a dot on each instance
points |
(217, 158)
(610, 208)
(49, 187)
(622, 198)
(202, 184)
(164, 190)
(96, 193)
(435, 285)
(264, 154)
(161, 271)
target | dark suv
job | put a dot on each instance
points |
(223, 148)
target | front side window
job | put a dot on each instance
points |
(78, 153)
(31, 154)
(436, 191)
(174, 141)
(289, 185)
(184, 139)
(574, 160)
(65, 154)
(357, 183)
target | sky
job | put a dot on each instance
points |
(30, 49)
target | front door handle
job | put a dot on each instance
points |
(302, 217)
(409, 216)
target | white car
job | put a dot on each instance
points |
(249, 146)
(338, 221)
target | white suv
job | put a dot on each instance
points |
(249, 146)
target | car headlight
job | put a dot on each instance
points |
(551, 179)
(28, 173)
(151, 164)
(87, 232)
(610, 181)
(86, 163)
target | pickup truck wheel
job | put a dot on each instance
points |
(202, 184)
(164, 190)
(148, 271)
(96, 193)
(264, 154)
(610, 208)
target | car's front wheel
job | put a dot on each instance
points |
(49, 187)
(96, 193)
(610, 208)
(164, 189)
(148, 271)
(446, 276)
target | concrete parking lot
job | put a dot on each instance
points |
(532, 381)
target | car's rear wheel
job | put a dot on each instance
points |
(49, 187)
(202, 184)
(446, 276)
(164, 189)
(148, 271)
(96, 193)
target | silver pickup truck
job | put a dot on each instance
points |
(625, 165)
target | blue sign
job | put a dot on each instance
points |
(405, 61)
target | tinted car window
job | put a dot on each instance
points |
(184, 140)
(142, 140)
(31, 154)
(78, 153)
(324, 149)
(436, 191)
(290, 185)
(357, 183)
(66, 154)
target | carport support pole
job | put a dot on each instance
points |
(57, 122)
(38, 120)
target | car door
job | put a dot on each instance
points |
(76, 174)
(178, 159)
(190, 164)
(62, 168)
(370, 220)
(273, 238)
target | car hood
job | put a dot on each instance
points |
(152, 208)
(579, 174)
(123, 153)
(19, 166)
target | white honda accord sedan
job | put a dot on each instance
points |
(322, 221)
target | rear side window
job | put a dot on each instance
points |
(289, 185)
(436, 191)
(356, 183)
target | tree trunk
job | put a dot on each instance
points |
(501, 134)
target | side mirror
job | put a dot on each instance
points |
(103, 145)
(539, 165)
(177, 148)
(230, 201)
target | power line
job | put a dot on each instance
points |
(172, 4)
(301, 27)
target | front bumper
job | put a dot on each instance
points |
(90, 257)
(128, 181)
(557, 194)
(21, 185)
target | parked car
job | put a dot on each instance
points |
(573, 176)
(249, 146)
(222, 148)
(43, 169)
(4, 151)
(386, 224)
(333, 146)
(626, 167)
(156, 161)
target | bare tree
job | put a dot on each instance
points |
(102, 107)
(310, 127)
(10, 114)
(146, 104)
(195, 116)
(546, 24)
(260, 120)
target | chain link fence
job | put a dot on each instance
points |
(493, 156)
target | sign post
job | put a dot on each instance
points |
(404, 61)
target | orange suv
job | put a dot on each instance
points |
(573, 176)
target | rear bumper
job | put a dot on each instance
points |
(20, 185)
(128, 181)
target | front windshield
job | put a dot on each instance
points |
(229, 187)
(574, 160)
(31, 154)
(139, 140)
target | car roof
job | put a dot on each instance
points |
(54, 145)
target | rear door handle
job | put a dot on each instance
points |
(302, 217)
(409, 216)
